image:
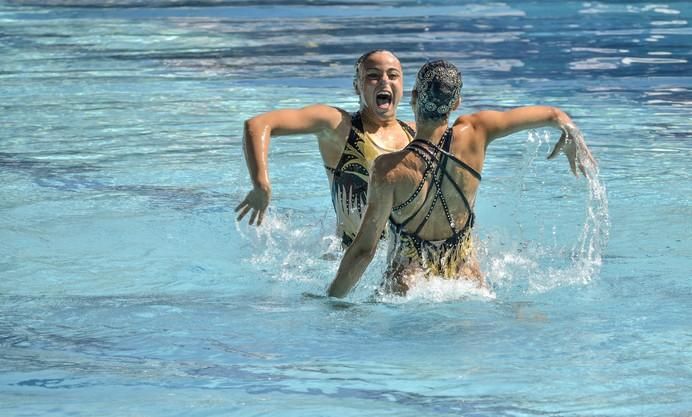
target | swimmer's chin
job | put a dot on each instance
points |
(383, 113)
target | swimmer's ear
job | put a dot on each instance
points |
(356, 83)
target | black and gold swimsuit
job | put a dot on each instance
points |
(442, 258)
(349, 179)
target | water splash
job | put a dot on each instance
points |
(539, 264)
(439, 290)
(286, 250)
(588, 252)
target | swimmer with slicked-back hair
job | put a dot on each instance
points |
(427, 191)
(348, 143)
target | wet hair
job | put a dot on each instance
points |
(438, 86)
(361, 59)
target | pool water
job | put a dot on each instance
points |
(128, 289)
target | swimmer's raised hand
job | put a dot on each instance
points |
(568, 145)
(255, 202)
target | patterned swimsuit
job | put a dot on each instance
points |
(349, 179)
(443, 258)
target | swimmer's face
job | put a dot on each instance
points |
(380, 84)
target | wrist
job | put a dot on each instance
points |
(564, 122)
(262, 185)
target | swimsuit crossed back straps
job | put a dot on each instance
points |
(349, 179)
(441, 257)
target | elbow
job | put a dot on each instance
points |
(362, 254)
(255, 124)
(249, 126)
(369, 255)
(365, 252)
(256, 133)
(372, 251)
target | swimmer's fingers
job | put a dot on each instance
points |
(260, 217)
(243, 208)
(257, 215)
(241, 205)
(589, 156)
(573, 166)
(256, 200)
(253, 216)
(585, 158)
(581, 168)
(571, 153)
(558, 147)
(568, 146)
(243, 212)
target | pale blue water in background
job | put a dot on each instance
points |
(128, 289)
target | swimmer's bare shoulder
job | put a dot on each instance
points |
(470, 134)
(334, 130)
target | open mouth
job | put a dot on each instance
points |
(383, 100)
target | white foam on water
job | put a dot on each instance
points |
(541, 265)
(290, 253)
(440, 290)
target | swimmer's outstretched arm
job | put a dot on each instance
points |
(256, 137)
(496, 124)
(359, 255)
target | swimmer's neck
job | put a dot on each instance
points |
(373, 123)
(430, 130)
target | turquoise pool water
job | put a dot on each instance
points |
(128, 289)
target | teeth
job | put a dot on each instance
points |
(384, 99)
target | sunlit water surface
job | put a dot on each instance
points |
(127, 288)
